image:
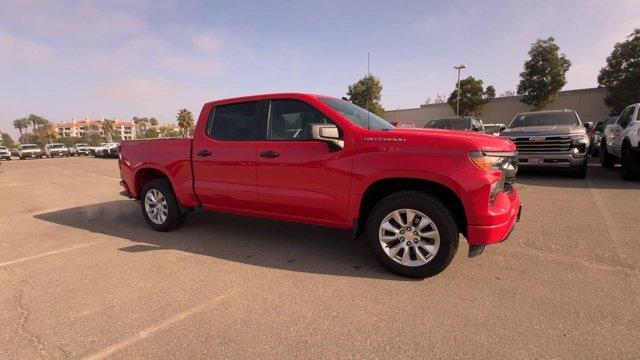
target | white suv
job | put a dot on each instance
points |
(29, 151)
(56, 149)
(5, 153)
(621, 142)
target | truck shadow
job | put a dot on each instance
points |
(252, 241)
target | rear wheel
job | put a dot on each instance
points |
(160, 205)
(606, 160)
(412, 234)
(630, 164)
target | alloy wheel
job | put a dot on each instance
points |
(409, 237)
(155, 204)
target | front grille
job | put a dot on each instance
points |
(541, 144)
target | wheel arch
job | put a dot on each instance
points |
(382, 188)
(143, 175)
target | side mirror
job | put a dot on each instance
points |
(588, 125)
(502, 128)
(328, 133)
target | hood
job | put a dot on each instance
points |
(547, 130)
(482, 141)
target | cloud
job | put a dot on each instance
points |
(137, 89)
(17, 50)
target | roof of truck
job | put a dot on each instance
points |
(270, 96)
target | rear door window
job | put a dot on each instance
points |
(235, 122)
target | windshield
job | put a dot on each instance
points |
(357, 115)
(451, 123)
(545, 119)
(29, 147)
(56, 146)
(491, 129)
(81, 145)
(599, 126)
(3, 148)
(612, 120)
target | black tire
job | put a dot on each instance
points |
(580, 172)
(606, 160)
(630, 164)
(174, 217)
(429, 206)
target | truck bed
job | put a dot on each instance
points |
(169, 156)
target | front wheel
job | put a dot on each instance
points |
(160, 205)
(412, 234)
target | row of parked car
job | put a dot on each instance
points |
(34, 151)
(559, 139)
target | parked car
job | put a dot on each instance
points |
(79, 149)
(594, 137)
(112, 151)
(56, 149)
(326, 161)
(14, 152)
(494, 129)
(403, 124)
(102, 150)
(621, 142)
(29, 151)
(551, 139)
(456, 123)
(5, 154)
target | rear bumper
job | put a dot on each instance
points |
(480, 235)
(125, 192)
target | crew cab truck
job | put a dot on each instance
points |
(325, 161)
(621, 142)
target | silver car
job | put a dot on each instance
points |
(551, 139)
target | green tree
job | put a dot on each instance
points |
(621, 75)
(473, 96)
(36, 121)
(108, 127)
(153, 121)
(6, 140)
(185, 121)
(366, 93)
(152, 133)
(20, 124)
(544, 74)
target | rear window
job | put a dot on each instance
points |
(453, 124)
(235, 122)
(545, 119)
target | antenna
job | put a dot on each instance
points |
(368, 104)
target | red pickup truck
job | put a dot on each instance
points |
(325, 161)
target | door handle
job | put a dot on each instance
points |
(269, 154)
(204, 153)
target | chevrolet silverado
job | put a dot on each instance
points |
(321, 160)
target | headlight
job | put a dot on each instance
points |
(505, 162)
(491, 160)
(579, 139)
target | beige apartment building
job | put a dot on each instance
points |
(80, 127)
(588, 103)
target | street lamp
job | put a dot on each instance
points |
(459, 67)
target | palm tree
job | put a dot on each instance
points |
(108, 126)
(185, 121)
(20, 124)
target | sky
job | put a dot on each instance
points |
(77, 59)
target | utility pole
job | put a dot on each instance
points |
(459, 67)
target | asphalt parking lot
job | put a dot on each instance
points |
(82, 276)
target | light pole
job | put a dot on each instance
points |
(459, 67)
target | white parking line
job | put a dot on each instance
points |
(47, 254)
(150, 330)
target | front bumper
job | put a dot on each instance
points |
(552, 160)
(480, 235)
(31, 155)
